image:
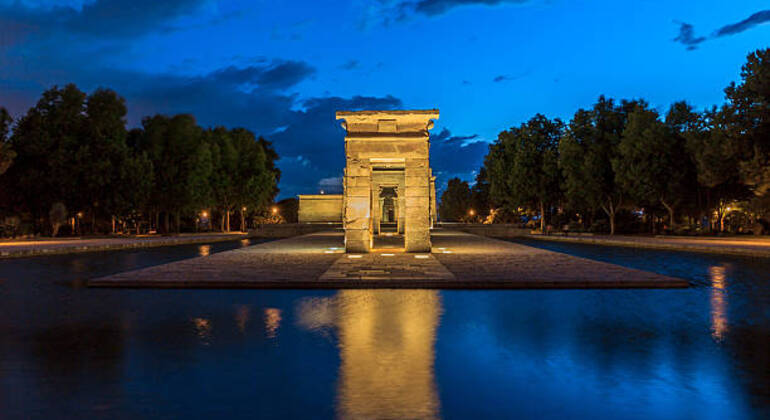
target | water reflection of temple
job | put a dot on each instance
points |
(386, 340)
(718, 302)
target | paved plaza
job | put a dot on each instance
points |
(457, 261)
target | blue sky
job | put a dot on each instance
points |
(282, 68)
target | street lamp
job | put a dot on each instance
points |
(275, 210)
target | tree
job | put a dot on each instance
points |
(587, 150)
(6, 152)
(46, 142)
(649, 164)
(255, 181)
(523, 166)
(717, 162)
(101, 156)
(455, 200)
(173, 146)
(480, 201)
(57, 216)
(749, 125)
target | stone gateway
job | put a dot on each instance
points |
(388, 180)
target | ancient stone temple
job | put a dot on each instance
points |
(387, 179)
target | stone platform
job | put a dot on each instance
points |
(457, 261)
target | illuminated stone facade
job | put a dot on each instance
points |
(320, 208)
(388, 176)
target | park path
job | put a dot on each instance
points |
(750, 246)
(27, 248)
(458, 261)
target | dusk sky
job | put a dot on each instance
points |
(283, 68)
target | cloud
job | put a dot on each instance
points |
(687, 36)
(313, 132)
(350, 65)
(687, 32)
(507, 77)
(748, 23)
(455, 156)
(386, 12)
(100, 18)
(438, 7)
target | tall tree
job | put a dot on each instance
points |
(455, 200)
(255, 185)
(523, 166)
(6, 152)
(480, 200)
(586, 154)
(649, 164)
(46, 141)
(173, 145)
(717, 163)
(749, 106)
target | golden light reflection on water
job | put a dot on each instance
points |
(386, 340)
(203, 329)
(719, 327)
(242, 316)
(272, 322)
(204, 250)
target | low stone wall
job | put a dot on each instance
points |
(496, 231)
(320, 208)
(288, 230)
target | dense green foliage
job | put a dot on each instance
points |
(685, 170)
(72, 152)
(456, 201)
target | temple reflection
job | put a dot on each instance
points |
(718, 302)
(386, 340)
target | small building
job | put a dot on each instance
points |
(320, 208)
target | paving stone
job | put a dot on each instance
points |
(459, 260)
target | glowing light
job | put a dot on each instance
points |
(355, 256)
(388, 255)
(204, 250)
(447, 252)
(471, 212)
(80, 214)
(243, 208)
(421, 257)
(204, 214)
(275, 210)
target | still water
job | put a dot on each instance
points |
(71, 352)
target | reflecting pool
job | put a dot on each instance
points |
(72, 352)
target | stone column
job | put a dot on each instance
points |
(417, 205)
(358, 191)
(433, 208)
(376, 209)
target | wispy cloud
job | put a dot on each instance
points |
(387, 12)
(688, 38)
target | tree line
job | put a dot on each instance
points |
(624, 161)
(70, 162)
